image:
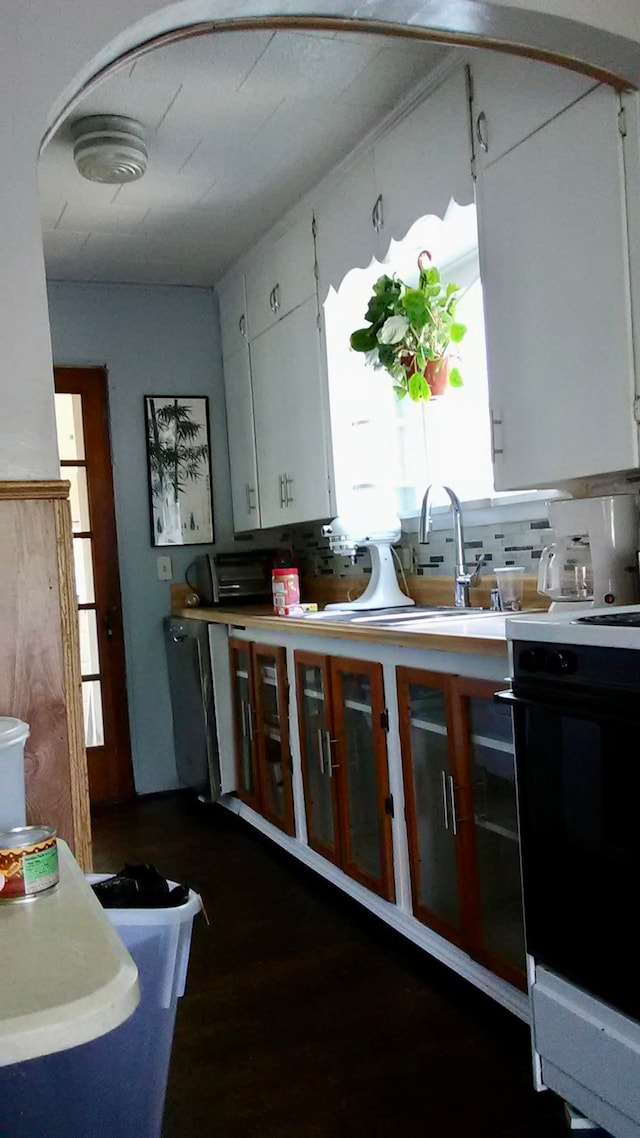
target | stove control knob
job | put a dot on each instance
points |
(562, 663)
(532, 660)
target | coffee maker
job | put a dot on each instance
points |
(594, 559)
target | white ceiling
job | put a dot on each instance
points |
(240, 126)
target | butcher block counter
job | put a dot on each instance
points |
(481, 633)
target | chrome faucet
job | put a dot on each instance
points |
(463, 580)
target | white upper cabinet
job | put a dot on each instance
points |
(513, 97)
(245, 495)
(345, 220)
(281, 275)
(424, 162)
(554, 260)
(233, 311)
(292, 430)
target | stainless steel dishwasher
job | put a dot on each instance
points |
(193, 705)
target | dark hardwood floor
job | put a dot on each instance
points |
(304, 1017)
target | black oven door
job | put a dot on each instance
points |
(578, 781)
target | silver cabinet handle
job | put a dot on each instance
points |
(454, 818)
(288, 497)
(497, 444)
(250, 497)
(282, 483)
(481, 132)
(250, 721)
(242, 326)
(321, 750)
(331, 766)
(271, 300)
(445, 809)
(377, 216)
(276, 298)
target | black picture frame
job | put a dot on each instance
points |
(178, 441)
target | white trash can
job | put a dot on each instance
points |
(13, 736)
(116, 1084)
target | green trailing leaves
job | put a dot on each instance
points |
(409, 327)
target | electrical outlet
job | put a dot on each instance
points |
(164, 570)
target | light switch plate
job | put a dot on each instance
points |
(164, 570)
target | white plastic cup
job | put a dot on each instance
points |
(510, 581)
(13, 736)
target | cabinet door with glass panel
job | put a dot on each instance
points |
(260, 712)
(484, 740)
(458, 768)
(342, 721)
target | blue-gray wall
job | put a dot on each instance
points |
(163, 341)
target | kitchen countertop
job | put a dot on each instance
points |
(481, 633)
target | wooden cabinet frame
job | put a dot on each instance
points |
(332, 668)
(457, 691)
(250, 727)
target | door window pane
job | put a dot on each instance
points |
(92, 707)
(78, 497)
(82, 557)
(89, 659)
(362, 792)
(316, 752)
(274, 774)
(436, 884)
(68, 409)
(496, 829)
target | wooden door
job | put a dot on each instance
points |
(358, 758)
(82, 418)
(243, 705)
(490, 884)
(271, 690)
(432, 789)
(313, 687)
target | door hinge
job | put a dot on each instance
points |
(622, 122)
(315, 271)
(388, 805)
(384, 719)
(319, 322)
(314, 227)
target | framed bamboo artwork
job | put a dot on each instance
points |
(179, 469)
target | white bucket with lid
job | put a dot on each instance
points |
(13, 736)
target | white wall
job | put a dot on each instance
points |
(153, 341)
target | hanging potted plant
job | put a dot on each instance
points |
(410, 332)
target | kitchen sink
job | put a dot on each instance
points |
(388, 618)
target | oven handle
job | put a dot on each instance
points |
(587, 707)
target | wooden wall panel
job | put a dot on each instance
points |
(39, 659)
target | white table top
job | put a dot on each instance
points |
(65, 975)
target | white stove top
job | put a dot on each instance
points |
(564, 627)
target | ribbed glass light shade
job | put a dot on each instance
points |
(109, 148)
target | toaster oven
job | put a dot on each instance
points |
(237, 577)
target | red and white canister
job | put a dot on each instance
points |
(285, 588)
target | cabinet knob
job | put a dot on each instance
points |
(481, 132)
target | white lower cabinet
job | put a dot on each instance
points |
(291, 420)
(403, 792)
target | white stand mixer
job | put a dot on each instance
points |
(382, 591)
(594, 561)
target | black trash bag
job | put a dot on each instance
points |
(139, 887)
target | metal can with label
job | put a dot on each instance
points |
(28, 862)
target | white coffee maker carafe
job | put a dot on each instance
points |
(593, 561)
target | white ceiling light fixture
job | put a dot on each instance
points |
(109, 148)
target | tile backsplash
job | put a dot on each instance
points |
(503, 543)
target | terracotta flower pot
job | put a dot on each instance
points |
(437, 375)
